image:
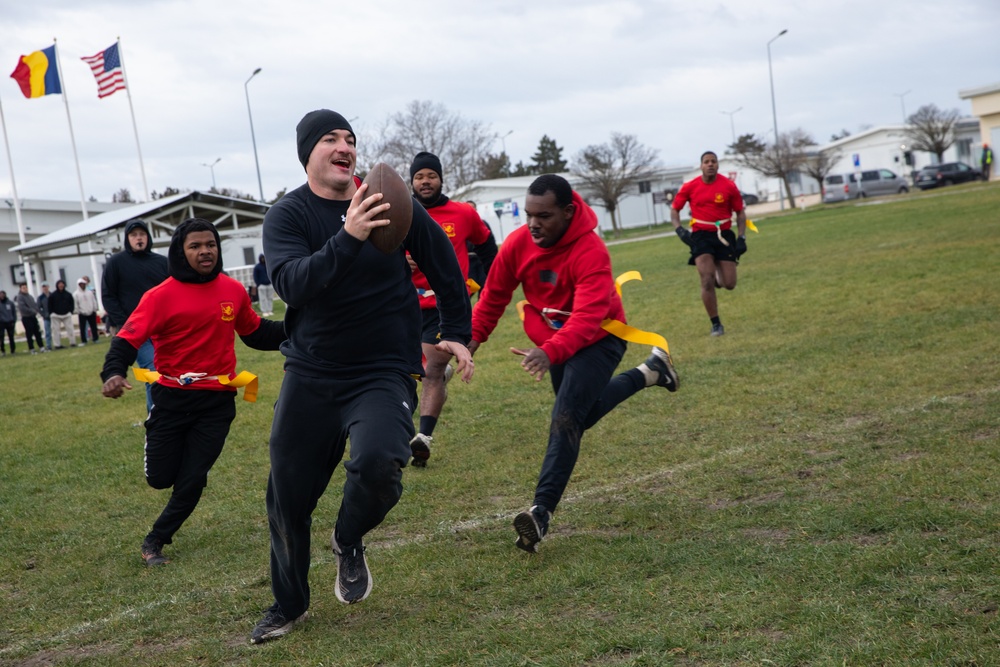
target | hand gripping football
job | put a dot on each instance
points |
(395, 192)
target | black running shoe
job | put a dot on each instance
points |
(274, 624)
(660, 362)
(531, 527)
(354, 581)
(718, 330)
(152, 551)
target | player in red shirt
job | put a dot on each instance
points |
(461, 223)
(564, 270)
(715, 250)
(192, 317)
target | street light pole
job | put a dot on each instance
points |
(902, 106)
(774, 110)
(212, 168)
(732, 125)
(252, 136)
(503, 142)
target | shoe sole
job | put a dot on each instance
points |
(421, 453)
(279, 632)
(527, 531)
(337, 587)
(153, 561)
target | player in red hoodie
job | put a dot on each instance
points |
(565, 271)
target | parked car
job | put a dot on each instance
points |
(873, 182)
(750, 199)
(946, 173)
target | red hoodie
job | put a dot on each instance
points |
(569, 288)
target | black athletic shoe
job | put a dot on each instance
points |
(152, 552)
(274, 624)
(660, 362)
(354, 581)
(718, 330)
(531, 527)
(420, 449)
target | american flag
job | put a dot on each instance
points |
(107, 69)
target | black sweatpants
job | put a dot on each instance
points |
(32, 332)
(585, 392)
(7, 329)
(185, 432)
(313, 419)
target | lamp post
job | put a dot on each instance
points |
(503, 142)
(732, 125)
(212, 167)
(902, 106)
(774, 110)
(252, 137)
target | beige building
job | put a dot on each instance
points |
(986, 106)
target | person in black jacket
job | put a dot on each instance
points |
(127, 276)
(8, 317)
(352, 356)
(61, 309)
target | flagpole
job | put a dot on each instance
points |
(76, 159)
(17, 204)
(135, 128)
(72, 139)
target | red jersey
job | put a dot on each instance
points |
(569, 288)
(710, 202)
(461, 223)
(193, 327)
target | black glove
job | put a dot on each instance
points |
(741, 246)
(684, 234)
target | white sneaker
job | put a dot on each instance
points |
(420, 446)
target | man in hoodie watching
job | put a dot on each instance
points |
(127, 276)
(193, 318)
(565, 271)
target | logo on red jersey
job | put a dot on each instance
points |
(228, 311)
(449, 229)
(719, 199)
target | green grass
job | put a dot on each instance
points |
(823, 490)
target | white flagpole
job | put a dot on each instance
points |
(72, 139)
(17, 203)
(135, 128)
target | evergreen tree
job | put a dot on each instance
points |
(548, 159)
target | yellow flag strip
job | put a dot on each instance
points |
(243, 379)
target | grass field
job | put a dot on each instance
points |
(823, 490)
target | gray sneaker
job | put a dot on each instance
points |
(274, 624)
(660, 362)
(718, 330)
(152, 552)
(354, 581)
(531, 527)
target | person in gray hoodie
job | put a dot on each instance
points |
(8, 316)
(29, 317)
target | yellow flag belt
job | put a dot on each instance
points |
(244, 379)
(618, 328)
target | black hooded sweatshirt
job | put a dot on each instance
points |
(129, 274)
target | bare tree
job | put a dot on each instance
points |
(123, 196)
(932, 129)
(461, 144)
(610, 170)
(820, 165)
(777, 160)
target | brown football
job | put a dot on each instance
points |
(395, 192)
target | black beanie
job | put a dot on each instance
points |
(313, 126)
(425, 160)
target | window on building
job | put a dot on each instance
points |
(964, 148)
(248, 256)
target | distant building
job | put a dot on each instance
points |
(986, 107)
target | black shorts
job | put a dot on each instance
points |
(708, 243)
(431, 332)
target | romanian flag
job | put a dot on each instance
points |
(38, 74)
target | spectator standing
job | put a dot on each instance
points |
(86, 311)
(987, 161)
(28, 309)
(43, 308)
(351, 359)
(61, 307)
(265, 291)
(461, 224)
(127, 276)
(8, 317)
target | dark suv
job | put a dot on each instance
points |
(946, 173)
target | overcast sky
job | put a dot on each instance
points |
(576, 70)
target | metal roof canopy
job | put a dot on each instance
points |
(102, 234)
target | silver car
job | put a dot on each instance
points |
(872, 183)
(840, 187)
